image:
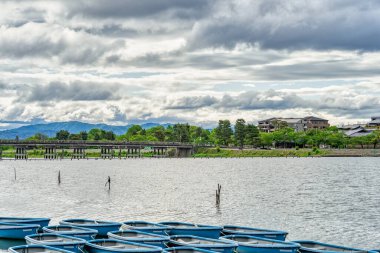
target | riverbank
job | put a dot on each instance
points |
(218, 152)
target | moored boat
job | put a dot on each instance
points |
(258, 232)
(319, 247)
(24, 220)
(17, 231)
(36, 249)
(112, 246)
(187, 250)
(203, 243)
(140, 237)
(148, 227)
(184, 228)
(252, 244)
(103, 227)
(84, 233)
(65, 242)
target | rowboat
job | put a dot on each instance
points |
(103, 227)
(36, 249)
(319, 247)
(84, 233)
(258, 232)
(187, 250)
(252, 244)
(203, 243)
(183, 228)
(65, 242)
(17, 231)
(140, 237)
(144, 226)
(112, 246)
(23, 220)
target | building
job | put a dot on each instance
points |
(357, 131)
(298, 124)
(375, 122)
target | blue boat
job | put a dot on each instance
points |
(252, 244)
(103, 227)
(140, 237)
(36, 249)
(148, 227)
(183, 228)
(223, 246)
(65, 242)
(84, 233)
(258, 232)
(187, 250)
(319, 247)
(17, 231)
(43, 222)
(112, 246)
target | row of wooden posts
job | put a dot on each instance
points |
(108, 183)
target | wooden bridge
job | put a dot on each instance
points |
(108, 149)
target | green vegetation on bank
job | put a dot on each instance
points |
(218, 152)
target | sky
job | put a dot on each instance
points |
(167, 61)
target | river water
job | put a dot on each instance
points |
(334, 200)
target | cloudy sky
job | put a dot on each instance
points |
(128, 61)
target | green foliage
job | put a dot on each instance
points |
(62, 135)
(223, 132)
(181, 132)
(240, 132)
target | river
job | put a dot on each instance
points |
(334, 200)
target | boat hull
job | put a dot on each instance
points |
(102, 228)
(195, 230)
(213, 245)
(83, 233)
(252, 244)
(149, 239)
(257, 232)
(34, 248)
(187, 250)
(43, 222)
(92, 247)
(148, 227)
(74, 246)
(319, 247)
(17, 231)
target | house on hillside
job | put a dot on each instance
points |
(375, 122)
(357, 131)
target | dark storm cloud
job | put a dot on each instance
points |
(294, 25)
(182, 9)
(350, 105)
(75, 91)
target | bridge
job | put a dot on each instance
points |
(107, 149)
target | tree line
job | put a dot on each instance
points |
(225, 134)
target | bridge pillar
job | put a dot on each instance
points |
(184, 152)
(133, 152)
(78, 153)
(160, 152)
(106, 152)
(1, 154)
(21, 153)
(50, 153)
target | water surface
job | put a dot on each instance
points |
(333, 200)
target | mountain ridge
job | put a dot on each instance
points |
(50, 129)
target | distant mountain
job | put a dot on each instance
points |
(50, 129)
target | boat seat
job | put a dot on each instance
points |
(52, 240)
(192, 242)
(117, 246)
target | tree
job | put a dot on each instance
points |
(252, 135)
(83, 135)
(157, 132)
(133, 130)
(62, 135)
(266, 139)
(240, 132)
(38, 137)
(224, 132)
(109, 135)
(181, 132)
(95, 134)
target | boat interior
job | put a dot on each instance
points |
(189, 240)
(134, 235)
(328, 248)
(58, 228)
(185, 251)
(245, 230)
(118, 245)
(142, 224)
(52, 238)
(252, 241)
(36, 250)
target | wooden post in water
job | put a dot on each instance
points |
(108, 182)
(218, 194)
(59, 177)
(14, 170)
